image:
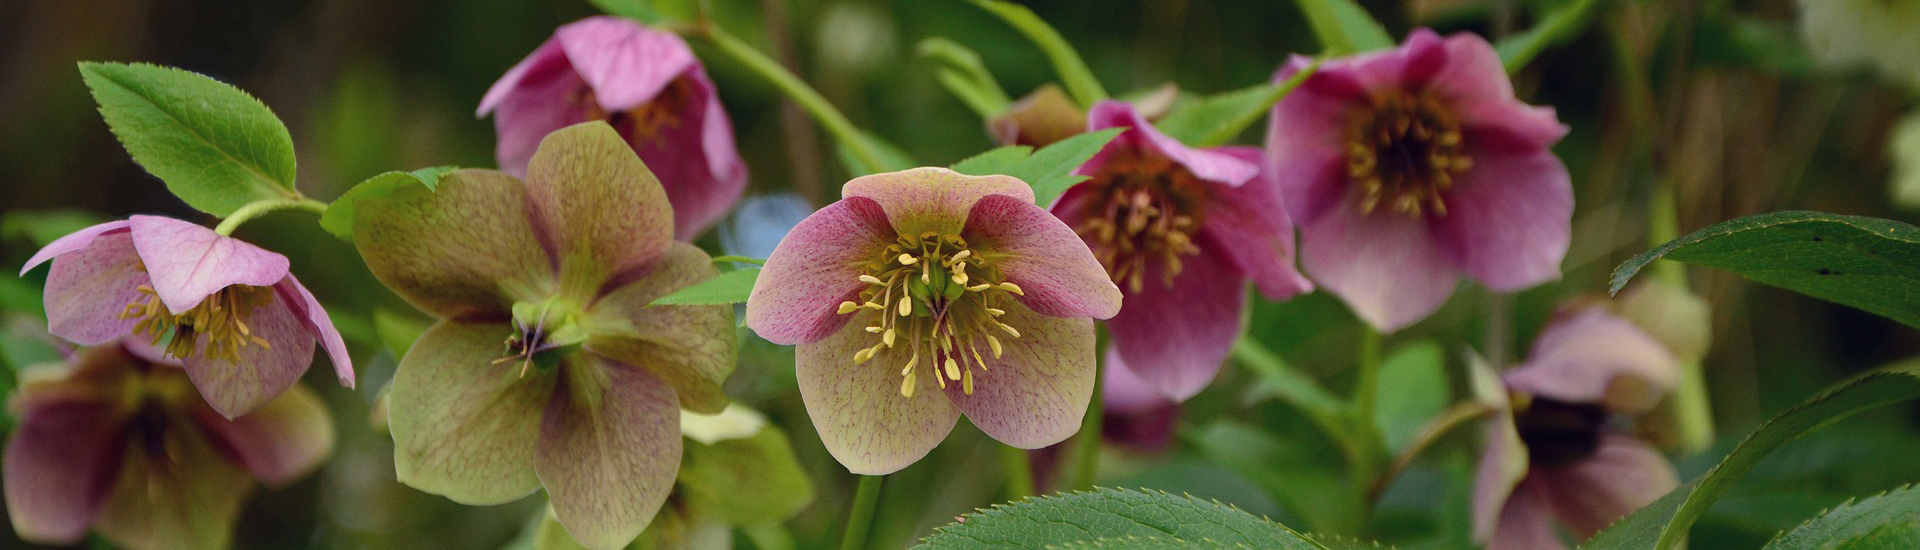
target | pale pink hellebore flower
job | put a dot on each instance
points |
(645, 83)
(228, 310)
(925, 294)
(1410, 167)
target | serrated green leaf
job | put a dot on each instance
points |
(1217, 119)
(1413, 390)
(731, 287)
(1664, 523)
(338, 219)
(1050, 170)
(1113, 514)
(1868, 263)
(214, 146)
(1888, 520)
(1005, 159)
(1343, 27)
(1562, 25)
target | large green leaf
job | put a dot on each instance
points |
(338, 218)
(1868, 263)
(731, 287)
(1664, 523)
(1888, 520)
(215, 147)
(1049, 171)
(1343, 27)
(1116, 518)
(1217, 119)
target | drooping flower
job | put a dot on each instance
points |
(585, 398)
(244, 327)
(1560, 448)
(1047, 115)
(1181, 230)
(925, 294)
(1408, 168)
(644, 82)
(118, 441)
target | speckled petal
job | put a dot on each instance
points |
(464, 427)
(816, 267)
(932, 199)
(1175, 338)
(73, 241)
(626, 63)
(465, 248)
(236, 387)
(314, 318)
(187, 261)
(691, 348)
(608, 459)
(1591, 356)
(600, 209)
(1035, 394)
(863, 420)
(88, 288)
(1034, 249)
(281, 441)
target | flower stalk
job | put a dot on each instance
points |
(860, 517)
(857, 143)
(259, 208)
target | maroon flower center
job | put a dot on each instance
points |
(936, 297)
(220, 321)
(1404, 151)
(645, 122)
(1558, 433)
(1141, 207)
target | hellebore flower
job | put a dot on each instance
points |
(119, 441)
(924, 282)
(1560, 448)
(1407, 168)
(646, 84)
(1181, 230)
(228, 310)
(585, 398)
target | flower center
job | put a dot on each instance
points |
(1404, 153)
(1558, 433)
(537, 329)
(933, 295)
(220, 321)
(1141, 207)
(643, 123)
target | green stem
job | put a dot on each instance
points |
(1073, 70)
(1367, 386)
(769, 536)
(1663, 225)
(811, 101)
(261, 207)
(1367, 445)
(860, 517)
(1086, 447)
(1019, 471)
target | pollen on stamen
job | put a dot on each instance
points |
(936, 298)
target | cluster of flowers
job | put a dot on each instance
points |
(918, 297)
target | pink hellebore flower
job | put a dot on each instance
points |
(119, 441)
(585, 398)
(1407, 168)
(228, 310)
(925, 294)
(1181, 230)
(648, 86)
(1558, 449)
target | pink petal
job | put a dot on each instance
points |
(314, 318)
(1306, 140)
(1124, 392)
(1207, 165)
(1591, 356)
(1525, 522)
(546, 100)
(863, 420)
(1034, 249)
(1035, 394)
(1137, 415)
(60, 464)
(546, 62)
(236, 387)
(187, 262)
(932, 199)
(1475, 84)
(1384, 265)
(283, 440)
(695, 159)
(817, 266)
(1624, 474)
(1509, 219)
(1175, 338)
(73, 241)
(626, 63)
(1503, 464)
(1249, 225)
(690, 347)
(608, 458)
(89, 287)
(599, 207)
(463, 426)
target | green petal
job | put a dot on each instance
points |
(692, 348)
(863, 420)
(462, 426)
(188, 499)
(608, 450)
(932, 199)
(602, 208)
(466, 246)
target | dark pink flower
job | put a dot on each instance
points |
(1181, 230)
(646, 84)
(118, 441)
(925, 294)
(1408, 168)
(1557, 451)
(228, 310)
